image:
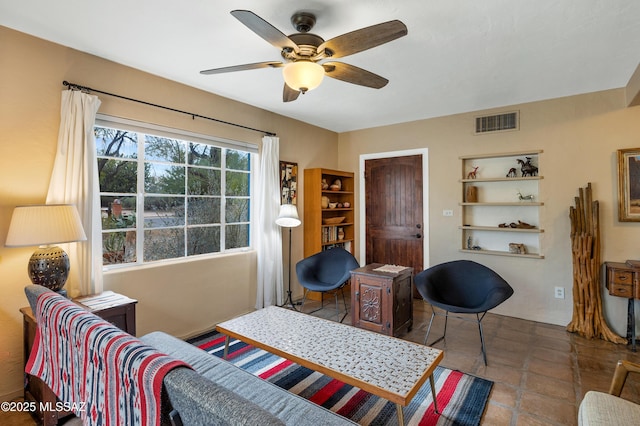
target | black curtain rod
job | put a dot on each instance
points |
(89, 89)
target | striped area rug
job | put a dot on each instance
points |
(461, 398)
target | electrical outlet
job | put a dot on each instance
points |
(447, 212)
(559, 292)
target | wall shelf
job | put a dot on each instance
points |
(498, 229)
(503, 253)
(494, 199)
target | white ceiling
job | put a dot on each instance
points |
(459, 55)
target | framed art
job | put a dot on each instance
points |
(629, 185)
(288, 182)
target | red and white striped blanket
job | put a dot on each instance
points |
(104, 375)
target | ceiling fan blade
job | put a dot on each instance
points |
(243, 67)
(265, 30)
(288, 94)
(363, 39)
(353, 74)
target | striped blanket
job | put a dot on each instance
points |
(104, 375)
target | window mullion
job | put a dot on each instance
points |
(223, 199)
(140, 200)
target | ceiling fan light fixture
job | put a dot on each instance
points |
(303, 75)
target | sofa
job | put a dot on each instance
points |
(215, 392)
(607, 409)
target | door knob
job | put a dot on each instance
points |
(418, 235)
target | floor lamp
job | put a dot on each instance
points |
(288, 218)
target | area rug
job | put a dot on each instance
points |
(461, 398)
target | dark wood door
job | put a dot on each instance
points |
(393, 201)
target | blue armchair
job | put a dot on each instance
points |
(327, 272)
(462, 287)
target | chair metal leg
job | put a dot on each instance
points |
(335, 295)
(484, 352)
(433, 314)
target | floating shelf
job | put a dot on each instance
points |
(504, 253)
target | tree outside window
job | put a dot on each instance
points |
(164, 198)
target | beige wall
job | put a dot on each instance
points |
(181, 298)
(579, 136)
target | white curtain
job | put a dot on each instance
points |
(74, 180)
(268, 234)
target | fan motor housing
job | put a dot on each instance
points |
(303, 21)
(308, 44)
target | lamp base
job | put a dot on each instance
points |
(49, 267)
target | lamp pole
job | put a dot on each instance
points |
(289, 298)
(288, 218)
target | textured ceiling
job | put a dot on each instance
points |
(458, 56)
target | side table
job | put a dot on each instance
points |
(381, 301)
(122, 316)
(623, 280)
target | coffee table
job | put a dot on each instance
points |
(385, 366)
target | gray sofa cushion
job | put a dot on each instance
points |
(290, 408)
(33, 291)
(602, 409)
(201, 402)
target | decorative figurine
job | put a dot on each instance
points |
(472, 173)
(517, 248)
(325, 185)
(529, 197)
(527, 168)
(512, 172)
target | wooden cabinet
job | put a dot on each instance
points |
(623, 280)
(122, 316)
(500, 206)
(381, 301)
(328, 213)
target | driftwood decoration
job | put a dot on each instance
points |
(588, 320)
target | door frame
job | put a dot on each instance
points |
(362, 242)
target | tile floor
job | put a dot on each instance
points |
(540, 372)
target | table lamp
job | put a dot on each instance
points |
(288, 218)
(46, 225)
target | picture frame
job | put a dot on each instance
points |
(288, 182)
(629, 185)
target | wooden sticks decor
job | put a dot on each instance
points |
(588, 320)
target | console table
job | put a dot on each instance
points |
(623, 280)
(122, 315)
(381, 301)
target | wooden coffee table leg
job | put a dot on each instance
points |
(400, 414)
(226, 348)
(433, 393)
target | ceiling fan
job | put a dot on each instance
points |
(303, 51)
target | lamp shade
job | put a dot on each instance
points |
(44, 224)
(288, 217)
(303, 75)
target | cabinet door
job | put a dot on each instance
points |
(369, 299)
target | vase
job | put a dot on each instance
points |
(324, 202)
(340, 234)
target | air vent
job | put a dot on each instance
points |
(497, 123)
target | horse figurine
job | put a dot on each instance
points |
(529, 197)
(472, 173)
(527, 168)
(512, 172)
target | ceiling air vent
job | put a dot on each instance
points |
(497, 123)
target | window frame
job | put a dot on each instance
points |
(118, 123)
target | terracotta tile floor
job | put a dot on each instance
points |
(540, 371)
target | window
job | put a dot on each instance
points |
(167, 197)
